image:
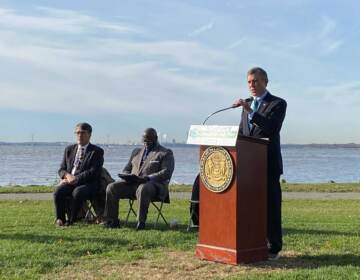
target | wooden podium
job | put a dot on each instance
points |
(233, 222)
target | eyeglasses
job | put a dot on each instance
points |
(81, 132)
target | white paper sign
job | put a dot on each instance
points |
(213, 135)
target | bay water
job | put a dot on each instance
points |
(38, 163)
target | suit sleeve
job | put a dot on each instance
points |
(241, 127)
(94, 172)
(271, 122)
(166, 168)
(63, 170)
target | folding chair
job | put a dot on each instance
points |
(193, 213)
(90, 215)
(153, 203)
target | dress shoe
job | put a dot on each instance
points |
(273, 257)
(112, 224)
(68, 223)
(140, 226)
(59, 223)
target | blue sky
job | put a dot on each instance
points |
(126, 65)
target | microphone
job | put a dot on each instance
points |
(224, 109)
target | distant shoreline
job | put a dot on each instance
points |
(286, 187)
(312, 145)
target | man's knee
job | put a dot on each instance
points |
(60, 191)
(80, 193)
(115, 189)
(146, 190)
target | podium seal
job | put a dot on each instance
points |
(216, 169)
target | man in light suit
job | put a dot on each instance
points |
(80, 172)
(154, 165)
(262, 117)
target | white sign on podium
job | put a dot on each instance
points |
(213, 135)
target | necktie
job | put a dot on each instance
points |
(81, 154)
(78, 159)
(255, 105)
(144, 156)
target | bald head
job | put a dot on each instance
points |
(149, 137)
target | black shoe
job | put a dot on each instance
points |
(59, 223)
(112, 224)
(68, 223)
(140, 226)
(273, 257)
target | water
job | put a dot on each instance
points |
(26, 164)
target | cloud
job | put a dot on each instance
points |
(235, 44)
(328, 26)
(57, 20)
(345, 94)
(202, 29)
(329, 41)
(104, 75)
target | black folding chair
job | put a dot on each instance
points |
(158, 205)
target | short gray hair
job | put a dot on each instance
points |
(84, 126)
(258, 71)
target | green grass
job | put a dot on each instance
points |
(26, 189)
(321, 239)
(287, 187)
(323, 187)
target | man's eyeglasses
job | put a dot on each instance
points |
(81, 132)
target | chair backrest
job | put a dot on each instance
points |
(105, 179)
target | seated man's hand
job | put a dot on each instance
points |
(71, 179)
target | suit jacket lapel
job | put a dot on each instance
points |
(263, 105)
(246, 118)
(72, 157)
(148, 158)
(141, 154)
(88, 152)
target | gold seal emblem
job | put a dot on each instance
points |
(216, 169)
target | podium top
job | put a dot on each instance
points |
(264, 141)
(213, 135)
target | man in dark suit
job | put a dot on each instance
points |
(153, 165)
(80, 174)
(262, 117)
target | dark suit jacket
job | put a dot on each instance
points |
(90, 169)
(267, 122)
(159, 166)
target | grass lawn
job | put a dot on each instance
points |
(321, 238)
(286, 187)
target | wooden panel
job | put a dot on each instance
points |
(233, 222)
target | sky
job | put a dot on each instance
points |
(123, 66)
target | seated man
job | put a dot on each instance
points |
(153, 166)
(80, 174)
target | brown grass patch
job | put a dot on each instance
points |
(175, 265)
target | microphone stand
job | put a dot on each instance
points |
(218, 111)
(224, 109)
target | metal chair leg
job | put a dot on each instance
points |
(131, 210)
(159, 214)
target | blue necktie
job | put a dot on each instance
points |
(255, 105)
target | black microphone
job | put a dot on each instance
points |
(224, 109)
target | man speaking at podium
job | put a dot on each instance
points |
(262, 117)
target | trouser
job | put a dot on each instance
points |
(195, 196)
(274, 230)
(144, 193)
(78, 194)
